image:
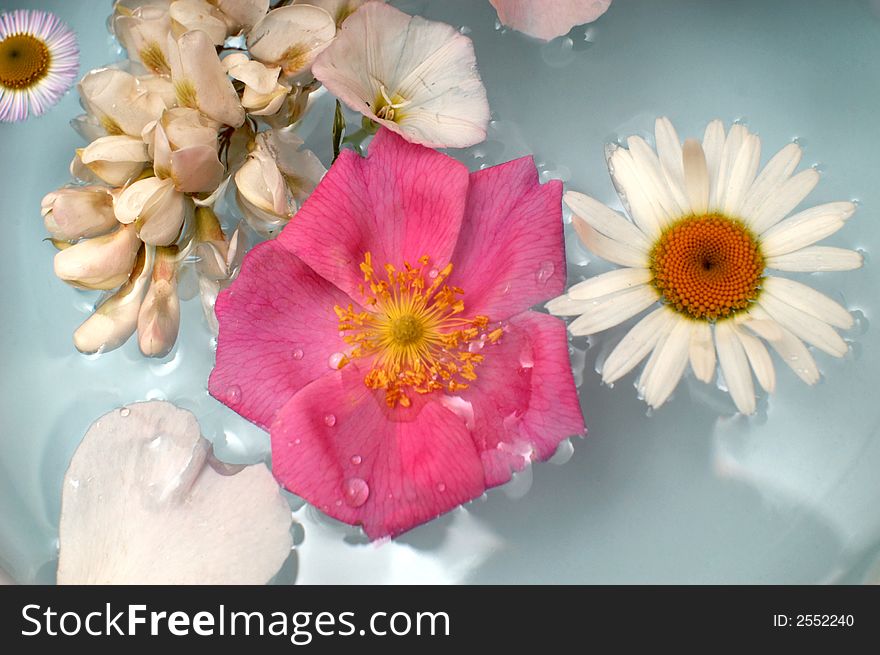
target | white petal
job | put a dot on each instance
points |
(633, 193)
(742, 175)
(637, 343)
(792, 350)
(258, 76)
(775, 173)
(783, 200)
(198, 15)
(809, 328)
(145, 502)
(672, 359)
(809, 300)
(696, 176)
(104, 262)
(610, 282)
(612, 310)
(606, 220)
(291, 37)
(758, 357)
(729, 153)
(565, 306)
(713, 144)
(613, 251)
(805, 228)
(702, 352)
(670, 155)
(817, 258)
(130, 203)
(654, 180)
(735, 366)
(78, 212)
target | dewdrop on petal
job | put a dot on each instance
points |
(115, 320)
(104, 262)
(159, 318)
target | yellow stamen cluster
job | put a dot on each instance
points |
(413, 330)
(24, 61)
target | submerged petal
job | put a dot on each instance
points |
(291, 37)
(146, 502)
(549, 19)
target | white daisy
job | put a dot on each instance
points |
(705, 228)
(39, 60)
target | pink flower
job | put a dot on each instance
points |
(547, 19)
(385, 338)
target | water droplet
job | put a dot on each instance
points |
(73, 482)
(233, 394)
(155, 443)
(506, 289)
(297, 441)
(329, 420)
(441, 487)
(464, 29)
(297, 354)
(433, 273)
(545, 272)
(356, 459)
(476, 346)
(125, 412)
(335, 360)
(339, 503)
(563, 453)
(355, 492)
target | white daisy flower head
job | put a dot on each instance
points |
(39, 60)
(414, 76)
(704, 230)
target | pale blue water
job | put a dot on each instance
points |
(685, 495)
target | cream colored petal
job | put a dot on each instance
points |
(260, 182)
(606, 221)
(200, 79)
(696, 177)
(736, 137)
(78, 212)
(670, 155)
(609, 249)
(427, 69)
(701, 352)
(654, 181)
(115, 159)
(713, 144)
(196, 169)
(163, 217)
(565, 306)
(735, 367)
(610, 282)
(637, 343)
(146, 502)
(742, 175)
(808, 300)
(791, 349)
(201, 15)
(633, 192)
(670, 364)
(291, 37)
(115, 320)
(259, 77)
(104, 262)
(608, 311)
(159, 85)
(772, 177)
(265, 105)
(129, 204)
(758, 357)
(783, 200)
(118, 101)
(300, 167)
(817, 258)
(159, 316)
(805, 228)
(804, 326)
(243, 13)
(338, 9)
(143, 32)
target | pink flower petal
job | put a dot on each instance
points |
(401, 202)
(510, 253)
(338, 445)
(524, 399)
(549, 18)
(277, 333)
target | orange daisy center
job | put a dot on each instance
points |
(24, 61)
(707, 267)
(414, 332)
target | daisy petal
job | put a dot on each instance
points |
(783, 200)
(729, 153)
(670, 155)
(805, 228)
(742, 174)
(809, 328)
(632, 191)
(606, 220)
(808, 300)
(696, 176)
(758, 357)
(610, 282)
(671, 362)
(713, 144)
(653, 180)
(637, 343)
(702, 352)
(817, 258)
(612, 310)
(617, 252)
(735, 366)
(792, 350)
(775, 173)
